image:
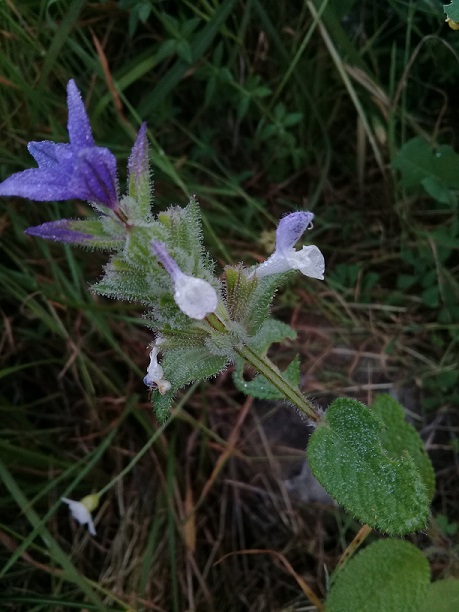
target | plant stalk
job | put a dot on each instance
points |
(271, 372)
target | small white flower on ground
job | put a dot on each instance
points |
(155, 373)
(81, 510)
(309, 260)
(194, 296)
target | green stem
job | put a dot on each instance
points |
(270, 371)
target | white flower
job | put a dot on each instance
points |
(194, 296)
(155, 373)
(309, 260)
(81, 510)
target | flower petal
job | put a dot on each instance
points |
(195, 297)
(291, 228)
(162, 254)
(78, 125)
(309, 261)
(50, 154)
(94, 177)
(41, 185)
(81, 514)
(155, 373)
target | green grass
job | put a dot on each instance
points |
(258, 109)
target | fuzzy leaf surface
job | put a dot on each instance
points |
(347, 456)
(182, 366)
(123, 281)
(387, 576)
(399, 436)
(442, 596)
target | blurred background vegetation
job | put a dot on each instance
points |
(344, 107)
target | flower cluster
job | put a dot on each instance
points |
(199, 320)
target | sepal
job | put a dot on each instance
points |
(139, 177)
(125, 282)
(185, 234)
(137, 251)
(248, 298)
(91, 233)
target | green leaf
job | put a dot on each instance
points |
(270, 332)
(447, 528)
(137, 251)
(125, 282)
(260, 387)
(388, 576)
(348, 458)
(418, 161)
(399, 436)
(439, 191)
(182, 366)
(442, 596)
(405, 281)
(452, 10)
(431, 297)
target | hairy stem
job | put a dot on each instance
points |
(271, 372)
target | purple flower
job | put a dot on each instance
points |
(194, 296)
(309, 260)
(78, 170)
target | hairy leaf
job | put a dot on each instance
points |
(270, 332)
(182, 366)
(380, 488)
(388, 576)
(399, 436)
(442, 596)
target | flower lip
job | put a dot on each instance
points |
(81, 513)
(194, 296)
(309, 260)
(155, 374)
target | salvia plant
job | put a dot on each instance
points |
(368, 458)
